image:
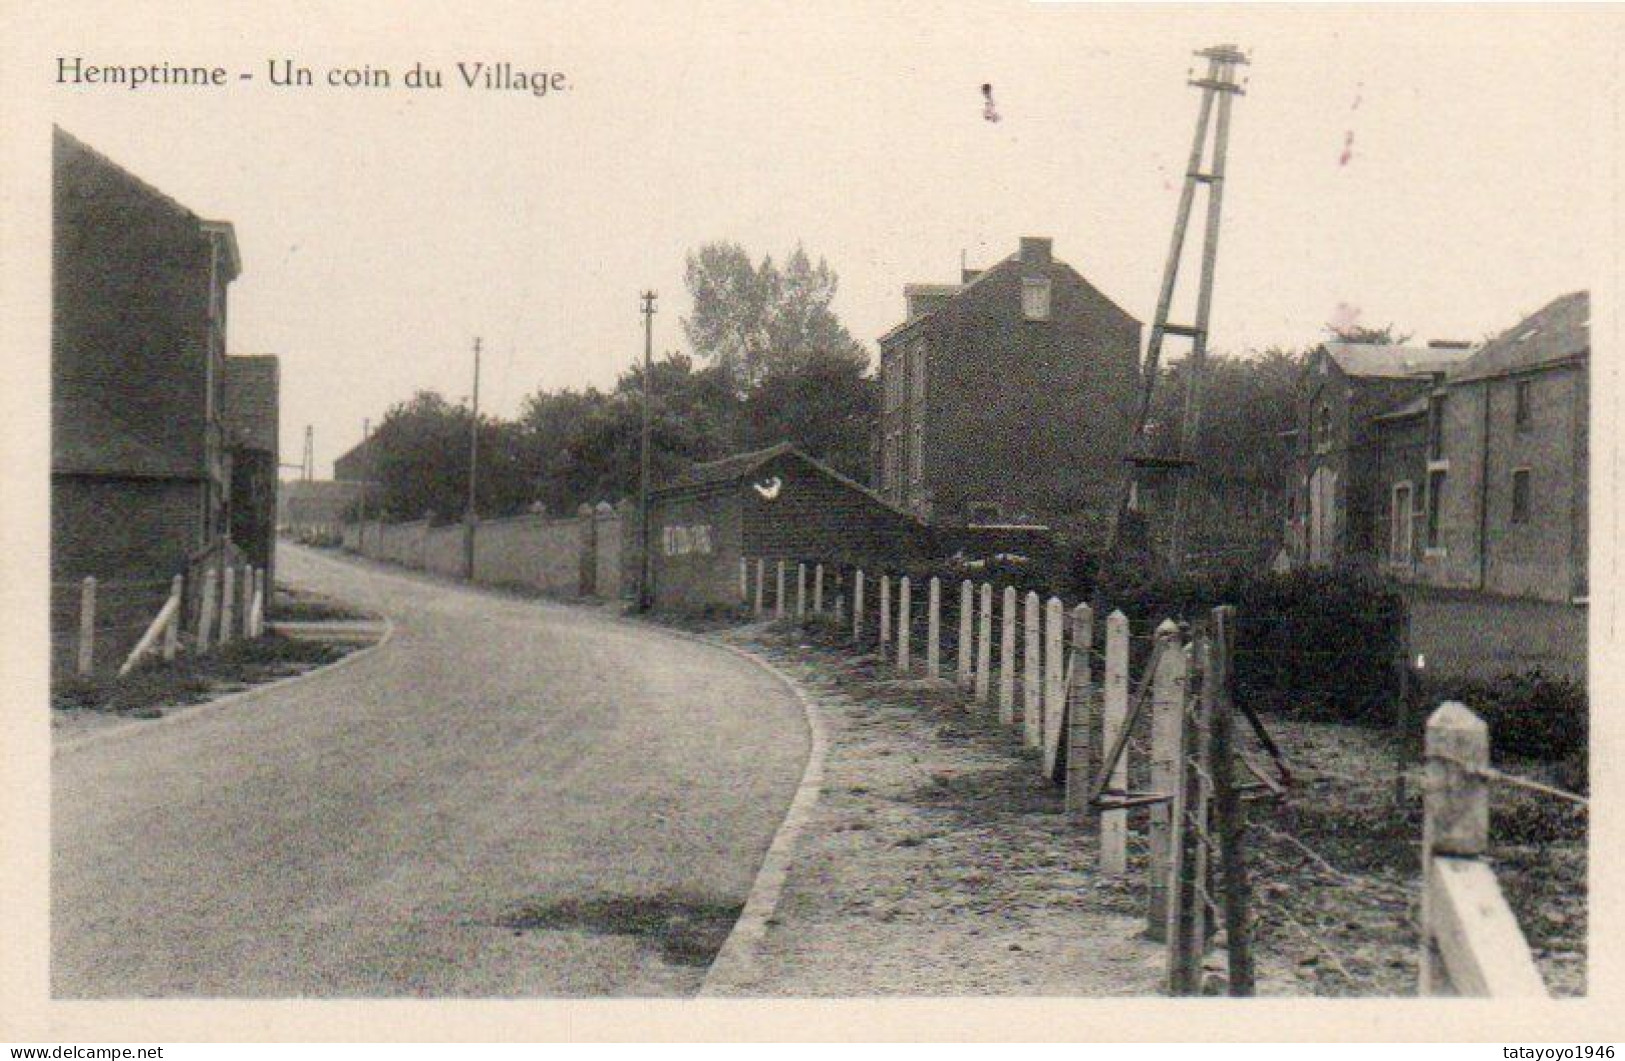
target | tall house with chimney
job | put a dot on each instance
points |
(1008, 398)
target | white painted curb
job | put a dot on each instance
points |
(735, 964)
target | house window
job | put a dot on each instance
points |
(1520, 407)
(1520, 495)
(917, 377)
(1399, 525)
(916, 455)
(1436, 479)
(1323, 425)
(1035, 299)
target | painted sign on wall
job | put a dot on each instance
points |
(683, 541)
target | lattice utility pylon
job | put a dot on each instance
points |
(1219, 86)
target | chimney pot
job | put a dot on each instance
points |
(1036, 250)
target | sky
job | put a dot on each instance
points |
(382, 230)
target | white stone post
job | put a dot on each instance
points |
(818, 589)
(172, 632)
(761, 577)
(87, 626)
(933, 629)
(967, 640)
(1081, 750)
(857, 607)
(1007, 658)
(905, 604)
(778, 599)
(1032, 682)
(206, 610)
(801, 593)
(1167, 718)
(228, 603)
(1054, 686)
(984, 644)
(885, 615)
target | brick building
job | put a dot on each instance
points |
(140, 449)
(1484, 480)
(1008, 398)
(1332, 504)
(771, 504)
(253, 387)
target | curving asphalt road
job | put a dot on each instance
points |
(372, 830)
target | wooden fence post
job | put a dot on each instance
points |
(87, 626)
(857, 607)
(905, 604)
(1229, 814)
(885, 615)
(1114, 714)
(1082, 750)
(1054, 687)
(801, 592)
(761, 576)
(172, 635)
(818, 589)
(1402, 708)
(1187, 860)
(1031, 675)
(1007, 657)
(206, 607)
(967, 639)
(933, 629)
(1167, 716)
(984, 643)
(1471, 943)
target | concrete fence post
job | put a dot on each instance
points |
(261, 591)
(818, 589)
(857, 607)
(933, 629)
(87, 626)
(885, 615)
(251, 586)
(1007, 657)
(1455, 816)
(206, 609)
(801, 593)
(984, 644)
(228, 603)
(1082, 747)
(1032, 688)
(1167, 716)
(905, 626)
(840, 600)
(778, 596)
(967, 640)
(1054, 686)
(1114, 823)
(172, 636)
(761, 577)
(744, 580)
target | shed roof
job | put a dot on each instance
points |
(252, 382)
(739, 467)
(1559, 331)
(1393, 360)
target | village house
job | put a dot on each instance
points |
(139, 430)
(252, 389)
(1332, 505)
(1483, 481)
(1008, 398)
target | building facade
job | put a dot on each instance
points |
(1485, 483)
(253, 388)
(1009, 398)
(139, 438)
(1333, 510)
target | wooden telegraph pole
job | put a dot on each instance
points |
(471, 515)
(645, 598)
(1219, 85)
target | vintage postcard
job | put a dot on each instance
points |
(682, 521)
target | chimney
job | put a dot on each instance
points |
(926, 298)
(1449, 344)
(1035, 250)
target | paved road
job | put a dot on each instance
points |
(372, 830)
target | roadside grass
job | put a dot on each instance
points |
(296, 605)
(146, 691)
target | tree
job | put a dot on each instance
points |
(750, 320)
(825, 404)
(420, 457)
(1359, 333)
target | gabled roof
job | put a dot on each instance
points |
(957, 291)
(251, 400)
(88, 438)
(1559, 331)
(1392, 360)
(739, 467)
